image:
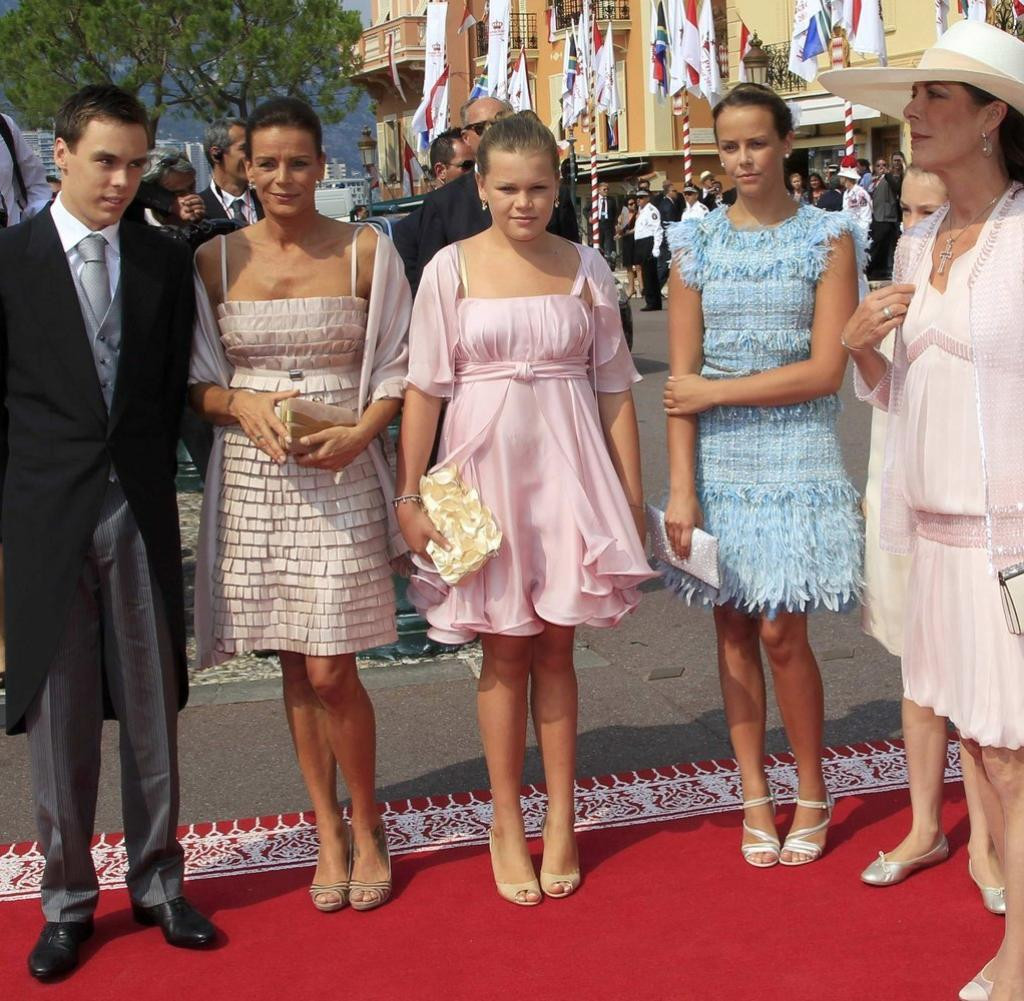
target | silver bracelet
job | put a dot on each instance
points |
(407, 497)
(849, 347)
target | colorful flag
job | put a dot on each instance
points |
(865, 27)
(691, 47)
(392, 68)
(479, 88)
(411, 170)
(744, 49)
(569, 114)
(467, 21)
(431, 116)
(805, 17)
(519, 85)
(819, 31)
(1018, 9)
(605, 84)
(974, 10)
(581, 86)
(659, 50)
(941, 17)
(710, 71)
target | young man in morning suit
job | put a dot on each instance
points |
(95, 329)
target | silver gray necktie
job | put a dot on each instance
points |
(237, 212)
(95, 279)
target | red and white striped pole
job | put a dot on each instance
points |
(838, 63)
(595, 224)
(687, 143)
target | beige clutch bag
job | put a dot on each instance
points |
(303, 417)
(459, 515)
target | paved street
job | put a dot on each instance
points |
(649, 691)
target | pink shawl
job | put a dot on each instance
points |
(996, 289)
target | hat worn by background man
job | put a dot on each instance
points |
(972, 53)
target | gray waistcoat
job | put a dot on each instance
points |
(104, 338)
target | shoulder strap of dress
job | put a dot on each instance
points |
(463, 278)
(581, 274)
(355, 260)
(223, 268)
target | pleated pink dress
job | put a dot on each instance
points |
(523, 428)
(302, 562)
(959, 658)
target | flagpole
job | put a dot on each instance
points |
(687, 143)
(838, 63)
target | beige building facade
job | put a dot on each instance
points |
(649, 134)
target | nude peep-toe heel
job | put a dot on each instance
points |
(339, 890)
(514, 893)
(382, 888)
(550, 882)
(796, 841)
(766, 844)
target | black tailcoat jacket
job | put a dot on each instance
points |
(58, 443)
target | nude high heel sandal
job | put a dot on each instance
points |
(382, 888)
(766, 844)
(796, 841)
(514, 893)
(550, 882)
(339, 891)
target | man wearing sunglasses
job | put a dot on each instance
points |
(450, 156)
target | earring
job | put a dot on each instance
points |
(986, 144)
(483, 204)
(556, 203)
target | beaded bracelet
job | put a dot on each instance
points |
(407, 497)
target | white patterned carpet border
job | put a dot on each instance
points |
(288, 841)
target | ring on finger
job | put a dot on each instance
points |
(260, 437)
(887, 312)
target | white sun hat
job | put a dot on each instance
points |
(970, 52)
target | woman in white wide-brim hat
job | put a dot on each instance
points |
(953, 483)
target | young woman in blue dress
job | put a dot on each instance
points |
(759, 295)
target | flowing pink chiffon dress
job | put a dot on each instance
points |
(523, 428)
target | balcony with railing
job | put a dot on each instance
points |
(569, 11)
(408, 46)
(522, 33)
(780, 78)
(1004, 16)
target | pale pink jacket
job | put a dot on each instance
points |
(996, 289)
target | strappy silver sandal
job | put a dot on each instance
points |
(796, 841)
(766, 844)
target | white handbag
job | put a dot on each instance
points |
(1011, 589)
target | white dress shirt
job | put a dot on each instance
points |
(227, 200)
(648, 223)
(72, 230)
(696, 210)
(33, 173)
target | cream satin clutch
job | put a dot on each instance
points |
(702, 562)
(459, 515)
(303, 417)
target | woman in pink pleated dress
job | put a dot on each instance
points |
(520, 331)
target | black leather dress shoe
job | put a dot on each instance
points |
(180, 922)
(56, 951)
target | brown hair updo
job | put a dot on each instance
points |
(522, 132)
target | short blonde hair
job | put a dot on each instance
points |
(521, 132)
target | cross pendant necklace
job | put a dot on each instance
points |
(947, 252)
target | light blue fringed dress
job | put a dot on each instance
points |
(770, 480)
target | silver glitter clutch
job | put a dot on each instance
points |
(1011, 588)
(703, 560)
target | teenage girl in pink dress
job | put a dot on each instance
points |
(520, 330)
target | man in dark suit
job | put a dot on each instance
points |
(95, 330)
(454, 212)
(229, 195)
(607, 216)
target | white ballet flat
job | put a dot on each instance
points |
(766, 844)
(979, 989)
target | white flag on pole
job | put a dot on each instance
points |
(710, 73)
(675, 22)
(497, 47)
(580, 90)
(975, 10)
(605, 84)
(411, 169)
(519, 85)
(941, 17)
(691, 47)
(431, 116)
(866, 28)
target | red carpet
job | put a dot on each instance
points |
(667, 910)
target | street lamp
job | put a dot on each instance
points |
(368, 151)
(757, 62)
